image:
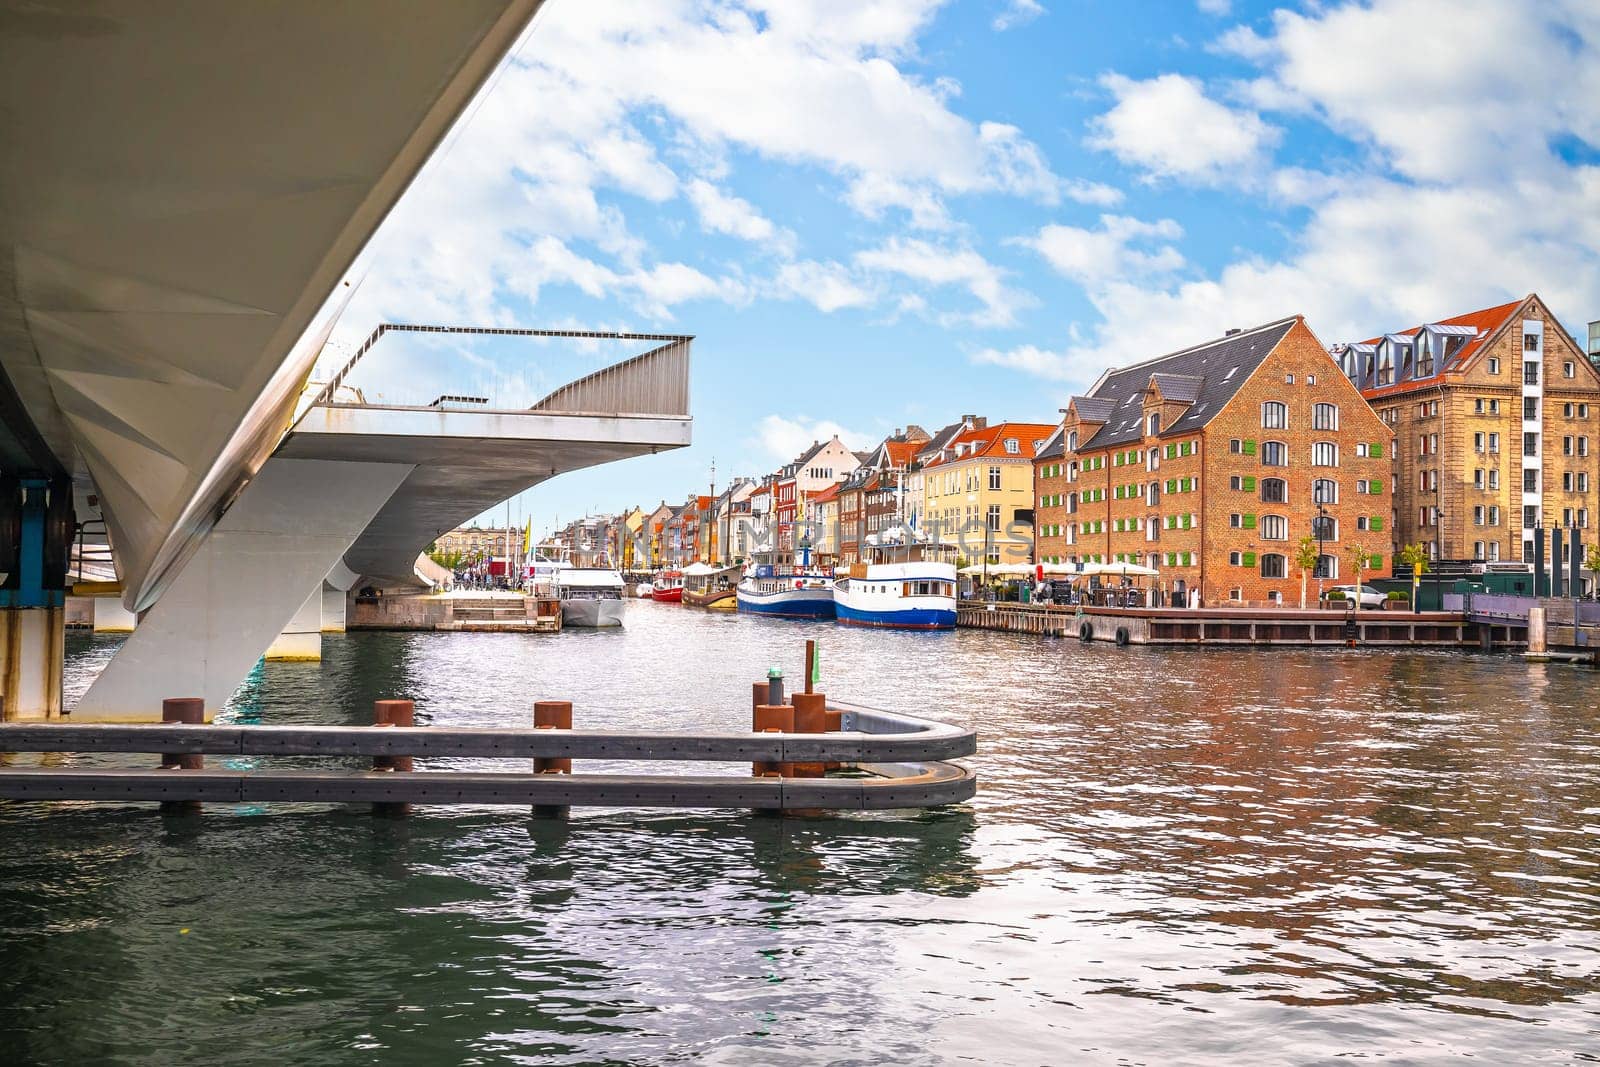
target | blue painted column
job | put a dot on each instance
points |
(38, 518)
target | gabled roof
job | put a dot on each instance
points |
(990, 442)
(940, 440)
(1218, 367)
(1092, 408)
(829, 494)
(1180, 387)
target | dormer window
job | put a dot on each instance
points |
(1231, 372)
(1012, 448)
(1152, 424)
(1072, 441)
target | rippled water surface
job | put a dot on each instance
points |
(1175, 856)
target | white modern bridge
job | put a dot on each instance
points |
(183, 188)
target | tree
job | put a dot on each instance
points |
(1306, 558)
(1416, 557)
(1591, 559)
(1360, 558)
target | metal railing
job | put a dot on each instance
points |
(652, 383)
(902, 757)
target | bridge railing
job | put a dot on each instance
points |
(900, 760)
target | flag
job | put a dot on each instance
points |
(527, 536)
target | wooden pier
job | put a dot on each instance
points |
(456, 613)
(1234, 626)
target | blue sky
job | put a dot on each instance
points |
(888, 211)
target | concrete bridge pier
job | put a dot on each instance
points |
(287, 530)
(111, 616)
(333, 607)
(301, 640)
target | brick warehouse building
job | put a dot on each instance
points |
(1211, 463)
(1493, 418)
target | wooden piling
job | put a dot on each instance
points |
(190, 710)
(392, 713)
(552, 715)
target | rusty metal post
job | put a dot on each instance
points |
(811, 663)
(191, 710)
(392, 713)
(810, 717)
(552, 715)
(758, 695)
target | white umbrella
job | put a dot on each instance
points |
(1127, 570)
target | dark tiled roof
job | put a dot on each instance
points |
(1054, 446)
(1182, 387)
(1093, 409)
(1220, 367)
(939, 440)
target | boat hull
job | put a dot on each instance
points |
(592, 613)
(788, 603)
(667, 596)
(900, 619)
(723, 599)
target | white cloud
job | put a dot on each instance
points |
(784, 438)
(1018, 13)
(1444, 91)
(1215, 7)
(1168, 127)
(722, 212)
(1094, 256)
(950, 265)
(827, 286)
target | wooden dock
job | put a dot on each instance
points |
(1235, 626)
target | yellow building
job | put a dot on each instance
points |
(977, 491)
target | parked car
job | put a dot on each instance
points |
(1365, 596)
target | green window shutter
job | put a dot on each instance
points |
(1247, 447)
(1249, 483)
(1375, 486)
(1170, 483)
(1188, 559)
(1377, 563)
(1186, 522)
(1249, 559)
(1248, 522)
(1171, 451)
(1188, 448)
(1188, 485)
(1375, 451)
(1376, 523)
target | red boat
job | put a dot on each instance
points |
(668, 587)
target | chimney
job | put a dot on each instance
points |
(1231, 332)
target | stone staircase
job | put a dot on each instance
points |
(489, 609)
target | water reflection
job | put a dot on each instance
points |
(1174, 856)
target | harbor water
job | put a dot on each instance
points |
(1176, 856)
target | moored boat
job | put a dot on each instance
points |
(667, 587)
(705, 586)
(591, 596)
(900, 587)
(789, 591)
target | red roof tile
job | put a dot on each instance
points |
(1485, 321)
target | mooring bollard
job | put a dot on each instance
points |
(190, 710)
(810, 717)
(552, 715)
(392, 713)
(771, 719)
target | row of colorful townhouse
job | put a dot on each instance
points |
(1235, 467)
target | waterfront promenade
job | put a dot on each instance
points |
(1174, 857)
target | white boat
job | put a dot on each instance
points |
(901, 587)
(591, 596)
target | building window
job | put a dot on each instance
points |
(1324, 491)
(1583, 481)
(1568, 370)
(1477, 441)
(1274, 528)
(1494, 364)
(994, 477)
(1530, 480)
(1012, 448)
(994, 517)
(1477, 550)
(1324, 454)
(1530, 516)
(1566, 446)
(1274, 565)
(1325, 528)
(1288, 379)
(1530, 373)
(1274, 415)
(1477, 515)
(1530, 444)
(1530, 342)
(1494, 515)
(1325, 417)
(1274, 454)
(1477, 478)
(1583, 446)
(1494, 443)
(1477, 406)
(1530, 407)
(1274, 491)
(1152, 424)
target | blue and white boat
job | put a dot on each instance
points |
(787, 590)
(901, 587)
